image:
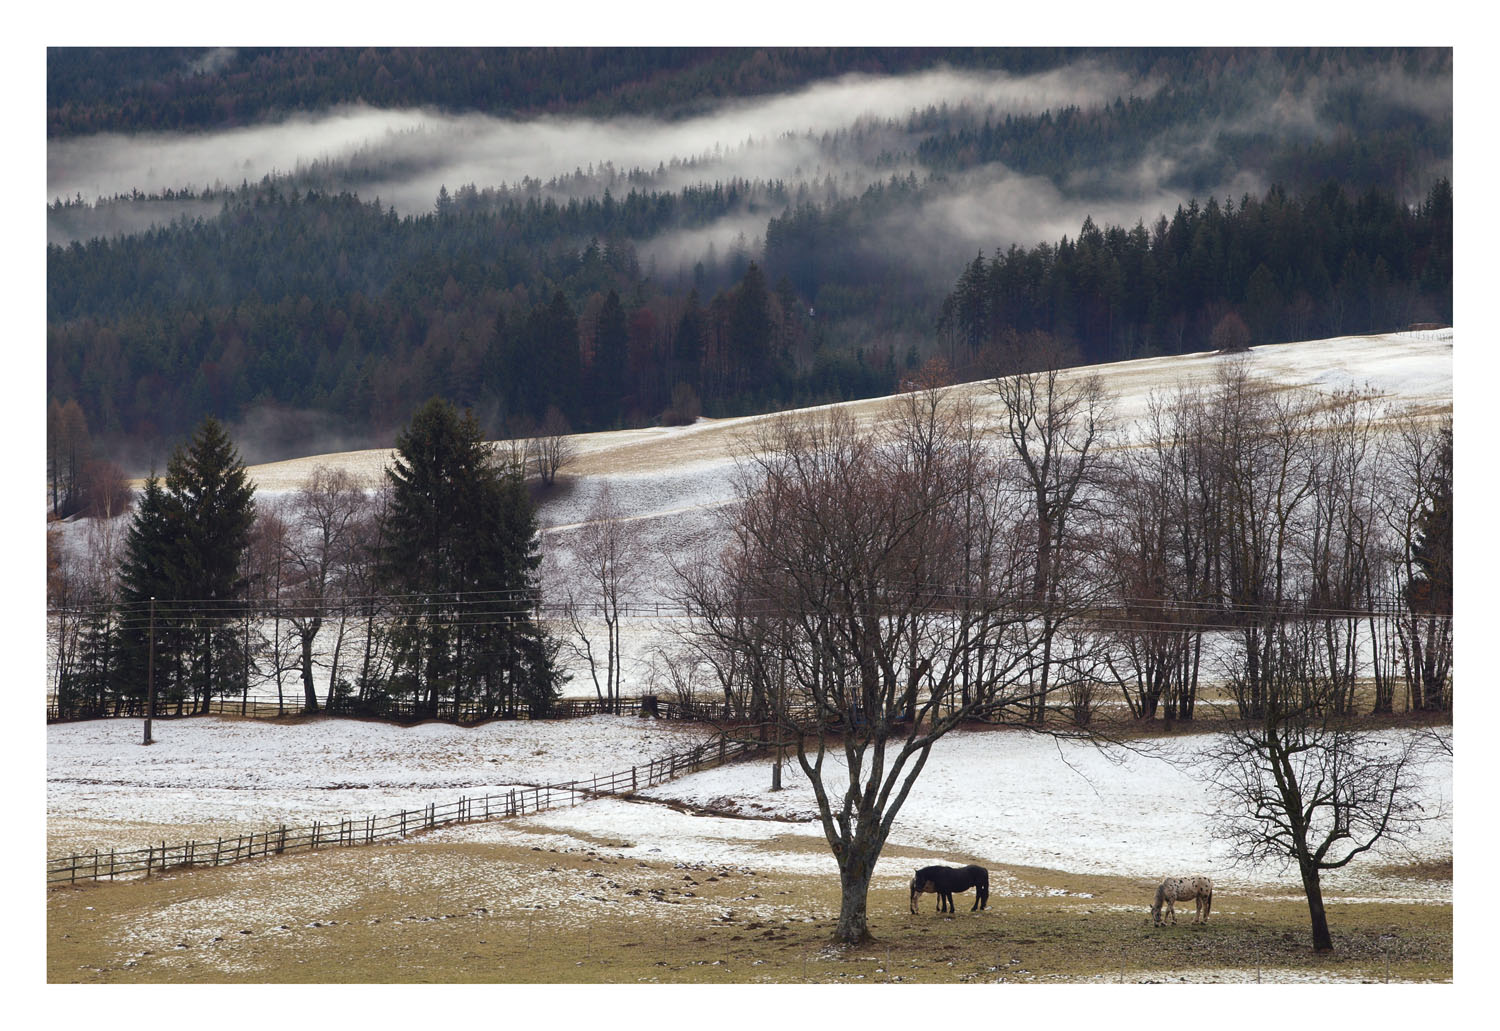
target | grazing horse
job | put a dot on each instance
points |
(945, 880)
(1181, 889)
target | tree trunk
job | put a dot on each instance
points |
(1322, 940)
(856, 865)
(310, 695)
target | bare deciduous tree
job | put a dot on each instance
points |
(1056, 426)
(324, 515)
(1264, 454)
(1300, 785)
(553, 447)
(879, 566)
(1421, 455)
(608, 552)
(518, 450)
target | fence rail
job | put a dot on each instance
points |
(97, 865)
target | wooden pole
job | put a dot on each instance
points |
(150, 671)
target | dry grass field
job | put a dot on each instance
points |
(443, 912)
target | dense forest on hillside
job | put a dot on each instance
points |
(1288, 269)
(302, 309)
(134, 89)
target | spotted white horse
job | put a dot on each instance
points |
(1182, 889)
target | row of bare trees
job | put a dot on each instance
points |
(878, 585)
(1286, 524)
(1237, 532)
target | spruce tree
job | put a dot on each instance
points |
(149, 577)
(461, 552)
(607, 373)
(750, 329)
(1432, 590)
(212, 503)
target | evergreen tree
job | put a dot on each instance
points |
(750, 329)
(212, 504)
(149, 577)
(461, 550)
(607, 373)
(553, 369)
(1432, 590)
(687, 344)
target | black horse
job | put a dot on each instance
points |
(945, 880)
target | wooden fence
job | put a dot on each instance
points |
(109, 865)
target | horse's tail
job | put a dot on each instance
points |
(1208, 896)
(982, 888)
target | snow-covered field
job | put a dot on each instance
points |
(1002, 797)
(230, 776)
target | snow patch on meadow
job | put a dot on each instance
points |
(999, 797)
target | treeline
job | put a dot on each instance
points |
(426, 585)
(98, 89)
(332, 305)
(1208, 112)
(327, 304)
(1286, 268)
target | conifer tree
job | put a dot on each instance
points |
(212, 503)
(149, 574)
(607, 374)
(461, 551)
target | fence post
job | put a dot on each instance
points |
(632, 778)
(149, 852)
(111, 864)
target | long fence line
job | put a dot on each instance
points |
(97, 865)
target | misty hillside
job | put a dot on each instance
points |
(310, 243)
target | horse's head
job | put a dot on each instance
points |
(918, 886)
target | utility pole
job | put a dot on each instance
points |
(150, 671)
(780, 716)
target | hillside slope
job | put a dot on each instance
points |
(672, 479)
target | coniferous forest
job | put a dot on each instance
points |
(315, 305)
